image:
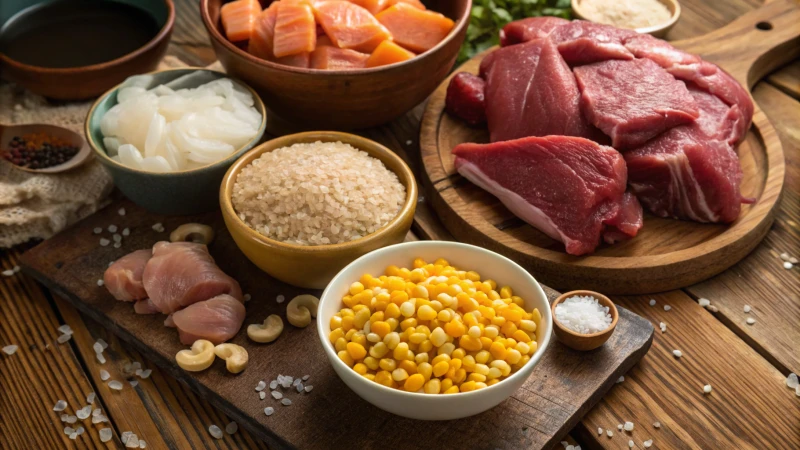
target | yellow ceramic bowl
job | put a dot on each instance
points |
(314, 266)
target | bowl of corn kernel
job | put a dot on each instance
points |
(434, 330)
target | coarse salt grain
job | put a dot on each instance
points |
(630, 443)
(142, 443)
(707, 389)
(8, 273)
(620, 427)
(158, 227)
(60, 405)
(146, 374)
(583, 314)
(261, 386)
(247, 297)
(317, 193)
(90, 398)
(792, 382)
(273, 384)
(667, 307)
(231, 428)
(308, 388)
(262, 395)
(677, 353)
(704, 302)
(750, 321)
(269, 410)
(63, 338)
(215, 431)
(104, 242)
(104, 375)
(648, 443)
(116, 385)
(747, 308)
(97, 230)
(280, 298)
(100, 358)
(276, 395)
(84, 412)
(286, 402)
(306, 377)
(621, 379)
(121, 211)
(599, 431)
(106, 434)
(65, 329)
(10, 349)
(787, 265)
(663, 326)
(117, 245)
(652, 302)
(100, 282)
(133, 383)
(656, 424)
(71, 419)
(628, 426)
(112, 228)
(126, 231)
(609, 433)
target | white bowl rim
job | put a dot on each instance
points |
(542, 347)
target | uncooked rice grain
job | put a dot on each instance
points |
(317, 193)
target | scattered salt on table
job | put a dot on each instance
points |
(677, 353)
(276, 395)
(126, 231)
(663, 326)
(100, 358)
(280, 298)
(667, 307)
(63, 338)
(599, 431)
(652, 302)
(98, 230)
(620, 426)
(106, 434)
(10, 349)
(112, 228)
(146, 374)
(707, 389)
(104, 375)
(215, 431)
(628, 426)
(269, 410)
(62, 405)
(308, 388)
(116, 385)
(630, 443)
(583, 314)
(787, 265)
(747, 308)
(247, 297)
(262, 395)
(231, 428)
(656, 424)
(84, 412)
(648, 443)
(104, 242)
(65, 329)
(792, 382)
(609, 433)
(260, 386)
(750, 321)
(90, 398)
(8, 273)
(704, 302)
(286, 402)
(621, 379)
(121, 211)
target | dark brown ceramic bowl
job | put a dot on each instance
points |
(80, 83)
(342, 99)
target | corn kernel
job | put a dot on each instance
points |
(401, 351)
(350, 301)
(378, 350)
(508, 329)
(474, 332)
(491, 331)
(446, 384)
(452, 390)
(408, 365)
(513, 356)
(497, 350)
(340, 344)
(438, 337)
(467, 386)
(387, 364)
(494, 372)
(506, 292)
(492, 382)
(482, 369)
(469, 343)
(468, 363)
(391, 340)
(440, 358)
(482, 357)
(505, 369)
(410, 322)
(414, 383)
(426, 312)
(455, 364)
(369, 376)
(536, 316)
(371, 363)
(485, 342)
(421, 357)
(399, 374)
(359, 338)
(473, 276)
(425, 369)
(433, 386)
(356, 288)
(392, 323)
(336, 322)
(476, 377)
(518, 301)
(335, 335)
(521, 336)
(345, 357)
(455, 329)
(425, 346)
(360, 369)
(347, 323)
(446, 349)
(527, 325)
(417, 338)
(356, 351)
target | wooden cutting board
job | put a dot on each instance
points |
(667, 254)
(562, 388)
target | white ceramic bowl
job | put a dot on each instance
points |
(467, 257)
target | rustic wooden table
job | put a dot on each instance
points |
(750, 406)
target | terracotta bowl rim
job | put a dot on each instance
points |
(228, 181)
(150, 45)
(215, 35)
(602, 299)
(675, 15)
(106, 160)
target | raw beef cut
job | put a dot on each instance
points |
(217, 320)
(182, 273)
(569, 188)
(627, 222)
(529, 29)
(123, 279)
(465, 98)
(530, 91)
(633, 101)
(692, 172)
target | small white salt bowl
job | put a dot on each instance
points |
(416, 405)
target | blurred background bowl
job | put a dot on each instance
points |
(466, 257)
(342, 99)
(174, 193)
(659, 30)
(313, 266)
(79, 83)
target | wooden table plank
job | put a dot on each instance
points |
(760, 280)
(40, 373)
(787, 80)
(750, 406)
(163, 412)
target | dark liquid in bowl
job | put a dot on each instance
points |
(75, 33)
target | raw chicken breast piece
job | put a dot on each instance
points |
(530, 91)
(145, 307)
(182, 273)
(123, 279)
(569, 188)
(217, 320)
(633, 101)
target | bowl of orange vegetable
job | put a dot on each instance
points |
(338, 64)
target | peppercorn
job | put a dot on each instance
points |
(38, 151)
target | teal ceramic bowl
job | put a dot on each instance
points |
(175, 193)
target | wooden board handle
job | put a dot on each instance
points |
(753, 45)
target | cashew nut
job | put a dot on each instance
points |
(200, 357)
(266, 332)
(235, 356)
(301, 309)
(192, 232)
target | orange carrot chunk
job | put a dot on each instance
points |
(413, 28)
(388, 53)
(350, 26)
(295, 29)
(334, 58)
(238, 18)
(263, 38)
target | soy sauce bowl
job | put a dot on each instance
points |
(584, 342)
(84, 82)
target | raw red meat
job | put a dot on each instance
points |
(465, 98)
(182, 273)
(633, 101)
(582, 42)
(529, 29)
(692, 172)
(530, 91)
(217, 320)
(569, 188)
(627, 222)
(123, 279)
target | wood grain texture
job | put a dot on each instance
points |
(760, 280)
(563, 387)
(40, 373)
(666, 254)
(787, 80)
(749, 407)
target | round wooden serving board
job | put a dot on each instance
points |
(667, 254)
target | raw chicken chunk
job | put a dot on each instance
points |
(183, 273)
(123, 279)
(217, 320)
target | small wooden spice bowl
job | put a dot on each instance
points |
(658, 31)
(584, 342)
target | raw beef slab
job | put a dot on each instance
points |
(633, 101)
(571, 189)
(692, 172)
(530, 91)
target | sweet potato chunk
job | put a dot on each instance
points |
(388, 53)
(413, 28)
